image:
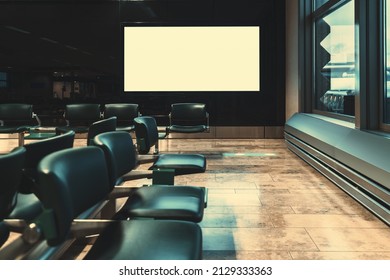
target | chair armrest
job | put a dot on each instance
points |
(146, 158)
(121, 192)
(86, 227)
(207, 122)
(16, 225)
(20, 247)
(35, 116)
(16, 249)
(137, 174)
(206, 195)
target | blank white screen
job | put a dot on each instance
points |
(212, 58)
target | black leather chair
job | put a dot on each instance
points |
(28, 205)
(11, 174)
(79, 117)
(11, 165)
(125, 114)
(105, 125)
(155, 201)
(188, 118)
(17, 118)
(147, 136)
(74, 180)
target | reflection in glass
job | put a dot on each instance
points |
(386, 97)
(3, 80)
(319, 3)
(335, 61)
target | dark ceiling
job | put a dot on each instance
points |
(60, 35)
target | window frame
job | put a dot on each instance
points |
(383, 53)
(317, 14)
(370, 59)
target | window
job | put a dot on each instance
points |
(386, 96)
(343, 70)
(3, 80)
(334, 61)
(319, 3)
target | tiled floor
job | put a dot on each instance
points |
(266, 203)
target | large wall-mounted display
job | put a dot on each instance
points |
(191, 58)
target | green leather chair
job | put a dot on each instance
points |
(188, 118)
(72, 181)
(79, 117)
(17, 118)
(28, 205)
(105, 125)
(147, 136)
(11, 165)
(155, 201)
(125, 114)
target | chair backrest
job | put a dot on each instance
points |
(146, 132)
(36, 151)
(16, 112)
(125, 112)
(71, 181)
(11, 166)
(101, 126)
(119, 151)
(82, 113)
(188, 113)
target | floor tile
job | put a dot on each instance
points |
(340, 255)
(258, 239)
(351, 239)
(245, 255)
(236, 199)
(325, 221)
(243, 210)
(235, 220)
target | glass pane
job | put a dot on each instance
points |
(386, 109)
(335, 61)
(319, 3)
(3, 80)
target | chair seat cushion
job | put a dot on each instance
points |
(148, 240)
(187, 128)
(181, 163)
(28, 207)
(165, 202)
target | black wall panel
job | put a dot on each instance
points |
(82, 40)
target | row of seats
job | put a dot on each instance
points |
(79, 117)
(70, 181)
(20, 118)
(184, 117)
